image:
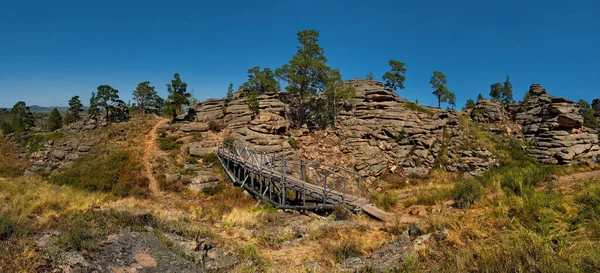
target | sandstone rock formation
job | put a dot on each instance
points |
(489, 112)
(380, 132)
(553, 128)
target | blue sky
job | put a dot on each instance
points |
(52, 50)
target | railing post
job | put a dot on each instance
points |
(325, 188)
(283, 176)
(359, 186)
(303, 177)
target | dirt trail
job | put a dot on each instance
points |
(150, 148)
(568, 180)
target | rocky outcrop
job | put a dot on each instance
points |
(553, 128)
(379, 133)
(385, 132)
(488, 112)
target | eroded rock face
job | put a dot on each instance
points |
(379, 133)
(384, 132)
(553, 128)
(489, 112)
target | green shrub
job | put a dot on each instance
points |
(384, 200)
(6, 228)
(341, 212)
(119, 173)
(415, 107)
(401, 135)
(172, 186)
(228, 140)
(191, 160)
(210, 158)
(168, 143)
(466, 193)
(294, 143)
(343, 250)
(35, 142)
(210, 191)
(214, 126)
(589, 213)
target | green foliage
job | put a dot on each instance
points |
(466, 193)
(6, 228)
(384, 200)
(214, 126)
(55, 120)
(370, 76)
(507, 93)
(415, 107)
(106, 98)
(228, 140)
(342, 250)
(305, 74)
(589, 212)
(252, 101)
(119, 173)
(35, 142)
(168, 143)
(294, 143)
(496, 91)
(589, 115)
(259, 82)
(502, 92)
(94, 109)
(229, 96)
(438, 82)
(395, 78)
(75, 108)
(526, 96)
(178, 96)
(21, 120)
(480, 98)
(191, 160)
(336, 95)
(400, 136)
(210, 158)
(470, 104)
(147, 99)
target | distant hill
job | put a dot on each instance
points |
(45, 109)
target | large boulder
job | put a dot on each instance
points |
(553, 128)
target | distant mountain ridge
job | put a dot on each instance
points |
(44, 109)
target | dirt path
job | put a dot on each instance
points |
(568, 180)
(150, 148)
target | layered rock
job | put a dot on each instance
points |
(553, 128)
(489, 112)
(380, 132)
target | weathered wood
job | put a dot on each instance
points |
(272, 186)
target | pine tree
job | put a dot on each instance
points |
(22, 119)
(259, 82)
(480, 98)
(75, 107)
(438, 82)
(370, 76)
(470, 104)
(178, 96)
(54, 120)
(107, 96)
(496, 91)
(147, 98)
(507, 93)
(395, 78)
(229, 96)
(336, 95)
(305, 74)
(588, 113)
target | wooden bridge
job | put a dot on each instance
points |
(289, 183)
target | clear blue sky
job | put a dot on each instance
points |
(52, 50)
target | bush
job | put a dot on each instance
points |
(294, 143)
(466, 193)
(214, 126)
(168, 143)
(384, 200)
(210, 158)
(36, 142)
(172, 186)
(191, 160)
(343, 250)
(210, 191)
(341, 212)
(6, 228)
(118, 172)
(415, 107)
(228, 140)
